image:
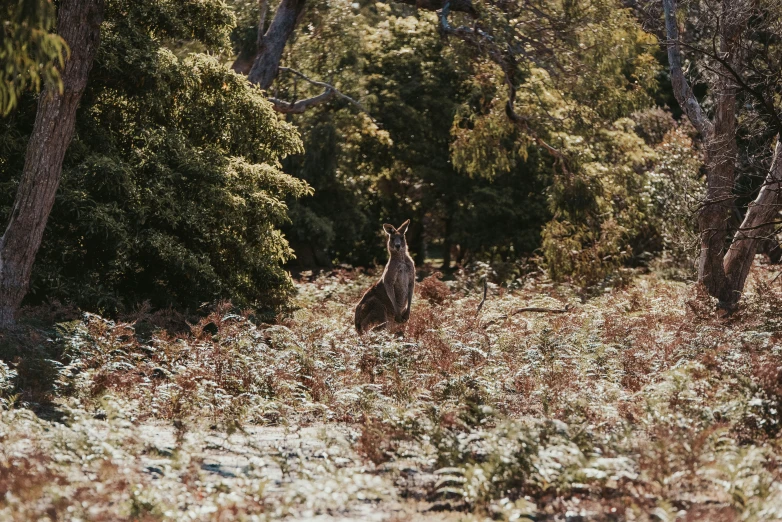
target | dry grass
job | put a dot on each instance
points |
(640, 404)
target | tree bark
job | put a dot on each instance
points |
(713, 218)
(681, 89)
(721, 150)
(78, 22)
(755, 228)
(267, 61)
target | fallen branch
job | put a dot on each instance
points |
(542, 310)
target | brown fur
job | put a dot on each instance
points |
(387, 303)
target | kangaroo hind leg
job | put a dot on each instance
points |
(369, 315)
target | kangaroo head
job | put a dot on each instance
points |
(396, 237)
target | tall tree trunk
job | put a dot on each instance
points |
(271, 46)
(721, 167)
(714, 216)
(78, 22)
(718, 270)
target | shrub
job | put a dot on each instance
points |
(172, 190)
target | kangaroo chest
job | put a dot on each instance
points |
(402, 284)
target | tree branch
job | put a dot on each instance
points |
(262, 22)
(299, 106)
(483, 41)
(681, 88)
(464, 6)
(767, 105)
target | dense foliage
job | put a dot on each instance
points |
(437, 145)
(399, 166)
(640, 404)
(172, 191)
(29, 52)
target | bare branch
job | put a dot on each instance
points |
(542, 310)
(681, 88)
(300, 106)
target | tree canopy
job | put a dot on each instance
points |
(172, 190)
(506, 131)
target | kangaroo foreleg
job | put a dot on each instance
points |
(392, 296)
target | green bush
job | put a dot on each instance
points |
(172, 190)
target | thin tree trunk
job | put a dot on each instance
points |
(755, 227)
(272, 45)
(447, 246)
(78, 22)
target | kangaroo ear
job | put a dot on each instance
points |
(403, 227)
(389, 229)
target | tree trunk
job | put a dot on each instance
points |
(722, 273)
(78, 22)
(272, 45)
(447, 246)
(755, 228)
(722, 151)
(716, 212)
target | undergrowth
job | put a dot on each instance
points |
(640, 404)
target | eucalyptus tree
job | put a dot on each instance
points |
(735, 46)
(171, 190)
(563, 78)
(78, 24)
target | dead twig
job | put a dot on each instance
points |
(542, 310)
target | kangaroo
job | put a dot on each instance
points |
(388, 301)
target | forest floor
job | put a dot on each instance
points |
(637, 404)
